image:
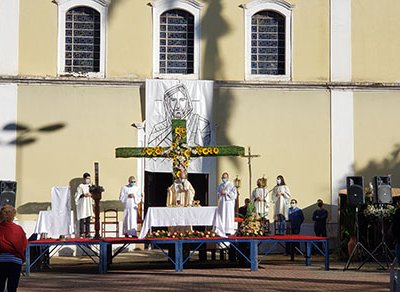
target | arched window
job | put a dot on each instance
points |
(82, 37)
(176, 42)
(268, 54)
(82, 40)
(176, 39)
(268, 43)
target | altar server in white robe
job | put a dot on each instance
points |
(84, 206)
(227, 194)
(130, 196)
(281, 196)
(260, 198)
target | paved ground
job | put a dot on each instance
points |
(148, 270)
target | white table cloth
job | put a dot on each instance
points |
(181, 216)
(60, 220)
(55, 224)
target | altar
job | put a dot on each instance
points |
(182, 216)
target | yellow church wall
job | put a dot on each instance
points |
(129, 46)
(289, 129)
(222, 42)
(376, 139)
(38, 38)
(129, 43)
(311, 34)
(96, 120)
(375, 40)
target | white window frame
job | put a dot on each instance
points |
(161, 6)
(100, 6)
(283, 8)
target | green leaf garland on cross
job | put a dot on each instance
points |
(179, 152)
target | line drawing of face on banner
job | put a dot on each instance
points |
(178, 105)
(177, 102)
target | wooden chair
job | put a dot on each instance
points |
(110, 218)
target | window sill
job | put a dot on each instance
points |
(82, 75)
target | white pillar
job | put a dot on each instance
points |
(342, 114)
(140, 162)
(9, 36)
(8, 114)
(342, 142)
(341, 40)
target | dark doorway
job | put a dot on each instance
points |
(157, 183)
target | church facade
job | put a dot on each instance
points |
(310, 85)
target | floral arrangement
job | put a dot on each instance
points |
(253, 224)
(375, 211)
(180, 235)
(179, 152)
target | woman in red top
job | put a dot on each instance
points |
(13, 243)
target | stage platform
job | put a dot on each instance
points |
(102, 255)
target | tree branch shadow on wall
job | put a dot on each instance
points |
(27, 135)
(389, 165)
(214, 27)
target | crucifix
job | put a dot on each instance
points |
(179, 152)
(249, 157)
(96, 191)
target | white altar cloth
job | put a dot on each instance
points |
(60, 220)
(182, 216)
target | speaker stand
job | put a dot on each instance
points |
(382, 246)
(359, 249)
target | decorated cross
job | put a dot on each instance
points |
(179, 152)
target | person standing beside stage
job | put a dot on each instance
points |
(396, 232)
(84, 206)
(130, 196)
(13, 243)
(319, 217)
(260, 198)
(226, 192)
(281, 196)
(296, 218)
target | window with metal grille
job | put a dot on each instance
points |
(176, 42)
(268, 43)
(82, 40)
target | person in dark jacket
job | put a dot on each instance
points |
(396, 232)
(319, 217)
(296, 218)
(13, 243)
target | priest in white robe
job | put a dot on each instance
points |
(260, 198)
(131, 197)
(227, 194)
(181, 192)
(281, 196)
(84, 206)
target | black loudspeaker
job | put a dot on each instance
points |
(8, 192)
(382, 190)
(355, 190)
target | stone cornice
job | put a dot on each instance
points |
(33, 80)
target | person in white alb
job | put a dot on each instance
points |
(281, 196)
(227, 194)
(260, 198)
(84, 206)
(130, 196)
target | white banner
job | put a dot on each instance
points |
(190, 100)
